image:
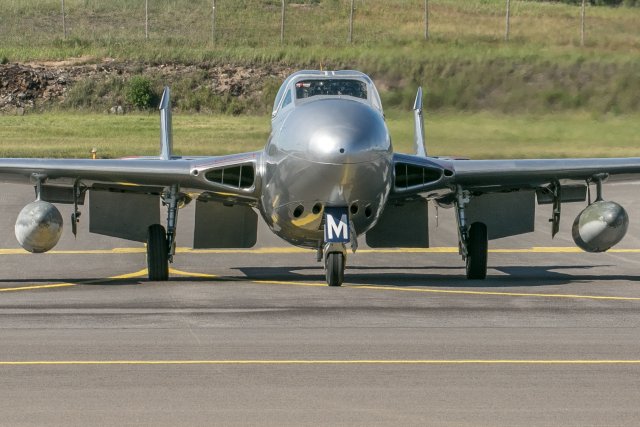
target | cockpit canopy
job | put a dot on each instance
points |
(301, 86)
(337, 87)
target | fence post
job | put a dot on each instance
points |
(64, 23)
(351, 23)
(146, 19)
(582, 13)
(508, 23)
(282, 22)
(213, 21)
(426, 19)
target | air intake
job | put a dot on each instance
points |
(408, 176)
(241, 177)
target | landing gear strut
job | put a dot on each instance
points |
(334, 262)
(473, 240)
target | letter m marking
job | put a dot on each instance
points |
(336, 228)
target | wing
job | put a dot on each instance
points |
(435, 177)
(232, 177)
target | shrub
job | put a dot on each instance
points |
(140, 93)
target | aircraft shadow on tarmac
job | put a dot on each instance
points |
(405, 276)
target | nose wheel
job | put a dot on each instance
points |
(334, 268)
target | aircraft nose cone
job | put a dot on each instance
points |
(342, 132)
(338, 144)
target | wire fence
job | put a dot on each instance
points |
(255, 23)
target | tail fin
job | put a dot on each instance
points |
(418, 139)
(166, 133)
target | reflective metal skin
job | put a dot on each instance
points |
(319, 155)
(600, 226)
(38, 227)
(329, 148)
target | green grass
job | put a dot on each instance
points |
(477, 136)
(465, 66)
(248, 29)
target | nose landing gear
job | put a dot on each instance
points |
(334, 268)
(335, 255)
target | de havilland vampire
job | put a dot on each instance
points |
(327, 175)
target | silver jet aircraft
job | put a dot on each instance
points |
(327, 175)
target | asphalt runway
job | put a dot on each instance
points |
(255, 337)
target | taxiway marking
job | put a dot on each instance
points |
(293, 250)
(325, 362)
(143, 273)
(449, 291)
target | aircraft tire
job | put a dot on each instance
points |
(334, 266)
(477, 250)
(157, 253)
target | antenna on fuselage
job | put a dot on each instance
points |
(166, 138)
(418, 139)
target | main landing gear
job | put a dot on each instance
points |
(157, 253)
(473, 240)
(161, 244)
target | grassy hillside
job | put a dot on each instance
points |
(465, 66)
(250, 29)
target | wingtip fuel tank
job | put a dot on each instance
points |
(39, 226)
(600, 226)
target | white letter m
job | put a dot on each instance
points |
(339, 230)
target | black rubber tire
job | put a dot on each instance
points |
(477, 250)
(157, 253)
(334, 268)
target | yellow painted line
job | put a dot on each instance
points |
(448, 291)
(189, 274)
(273, 250)
(295, 250)
(141, 273)
(279, 282)
(78, 252)
(27, 288)
(137, 274)
(326, 362)
(494, 293)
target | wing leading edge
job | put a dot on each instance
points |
(416, 175)
(201, 174)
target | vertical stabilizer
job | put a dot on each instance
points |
(418, 139)
(166, 133)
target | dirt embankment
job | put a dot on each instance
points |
(38, 86)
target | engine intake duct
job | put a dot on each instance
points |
(409, 176)
(240, 177)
